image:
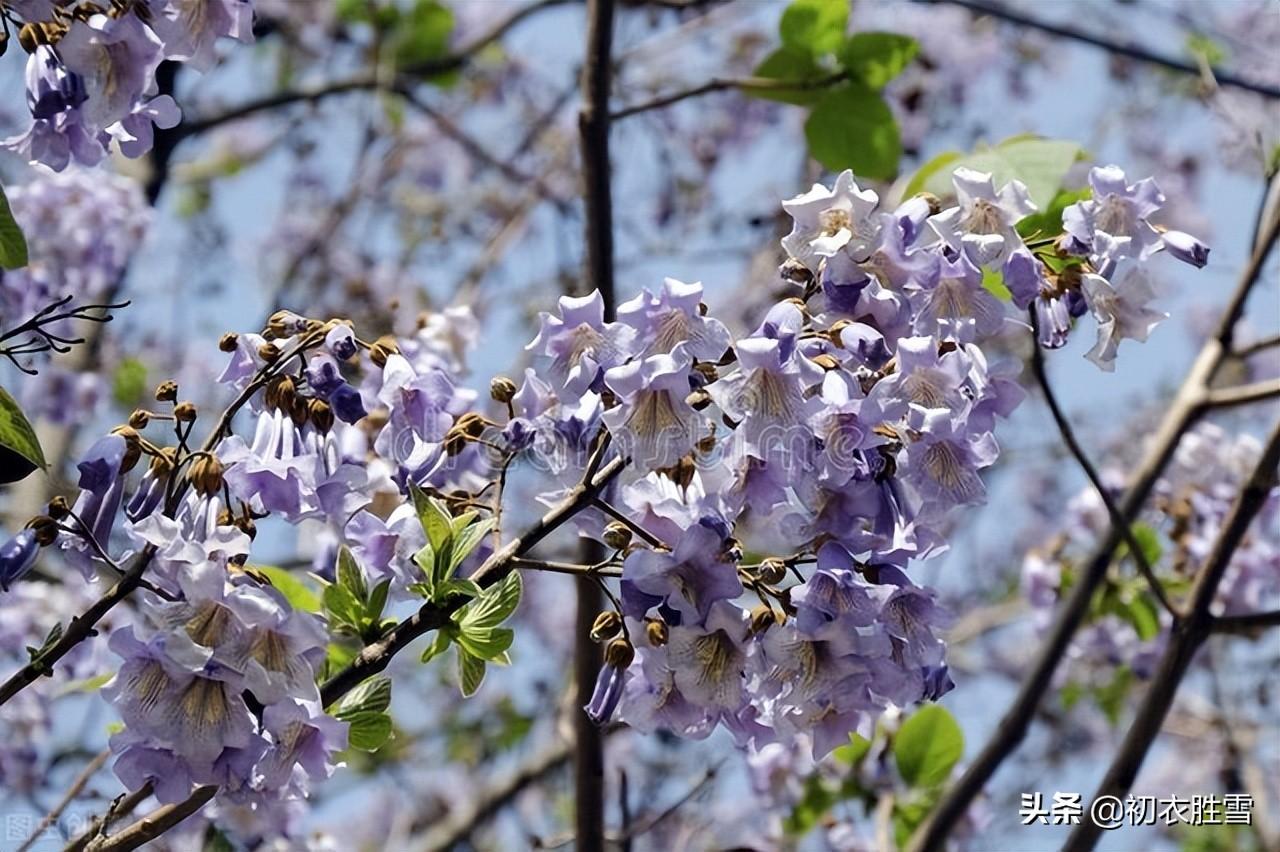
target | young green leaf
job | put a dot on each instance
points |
(372, 696)
(494, 605)
(377, 601)
(299, 595)
(350, 577)
(466, 541)
(342, 606)
(814, 26)
(434, 517)
(927, 746)
(470, 673)
(17, 436)
(876, 58)
(439, 644)
(13, 246)
(368, 731)
(853, 128)
(486, 643)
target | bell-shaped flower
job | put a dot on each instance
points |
(709, 659)
(826, 221)
(1121, 312)
(983, 225)
(1118, 210)
(653, 423)
(117, 58)
(692, 578)
(958, 307)
(580, 344)
(672, 317)
(303, 738)
(942, 464)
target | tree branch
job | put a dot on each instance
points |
(1129, 51)
(1243, 394)
(1187, 637)
(1250, 623)
(73, 791)
(1073, 445)
(371, 79)
(720, 84)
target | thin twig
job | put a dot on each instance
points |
(1260, 345)
(1127, 50)
(1118, 521)
(73, 791)
(1250, 623)
(1243, 394)
(635, 528)
(721, 84)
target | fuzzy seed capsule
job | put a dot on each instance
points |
(606, 626)
(269, 352)
(206, 477)
(619, 654)
(46, 529)
(185, 412)
(228, 342)
(167, 391)
(617, 535)
(502, 389)
(139, 419)
(59, 508)
(772, 572)
(657, 632)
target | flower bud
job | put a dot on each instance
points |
(167, 391)
(286, 324)
(771, 571)
(45, 528)
(31, 36)
(796, 272)
(1186, 248)
(657, 632)
(59, 508)
(269, 352)
(698, 400)
(502, 389)
(762, 618)
(826, 362)
(706, 372)
(280, 393)
(229, 341)
(132, 447)
(617, 535)
(185, 412)
(383, 348)
(468, 426)
(320, 414)
(206, 475)
(139, 419)
(606, 626)
(619, 654)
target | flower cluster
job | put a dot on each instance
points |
(91, 73)
(1191, 502)
(840, 434)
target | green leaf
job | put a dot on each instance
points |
(371, 696)
(434, 517)
(790, 64)
(89, 684)
(422, 34)
(993, 282)
(470, 673)
(377, 601)
(438, 646)
(16, 433)
(299, 595)
(853, 753)
(368, 731)
(459, 586)
(1148, 540)
(13, 246)
(907, 817)
(814, 26)
(350, 577)
(927, 746)
(1047, 223)
(342, 606)
(1141, 612)
(1204, 49)
(876, 58)
(1111, 697)
(925, 175)
(466, 541)
(1041, 164)
(486, 643)
(853, 128)
(494, 605)
(813, 804)
(129, 384)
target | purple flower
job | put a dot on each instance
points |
(958, 307)
(1121, 312)
(580, 344)
(302, 737)
(1186, 248)
(983, 225)
(17, 557)
(691, 579)
(607, 694)
(709, 660)
(827, 221)
(117, 58)
(1113, 224)
(189, 28)
(673, 317)
(652, 423)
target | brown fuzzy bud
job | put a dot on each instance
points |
(707, 372)
(698, 400)
(606, 626)
(467, 427)
(280, 393)
(185, 412)
(286, 324)
(762, 618)
(167, 391)
(298, 411)
(269, 352)
(502, 389)
(383, 348)
(833, 333)
(59, 508)
(229, 341)
(31, 36)
(4, 42)
(321, 415)
(132, 447)
(935, 203)
(163, 463)
(657, 632)
(618, 654)
(139, 419)
(796, 272)
(617, 535)
(771, 572)
(826, 362)
(706, 444)
(46, 529)
(206, 476)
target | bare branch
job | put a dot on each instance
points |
(721, 84)
(1243, 394)
(73, 791)
(1250, 623)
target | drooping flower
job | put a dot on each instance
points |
(653, 423)
(1121, 312)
